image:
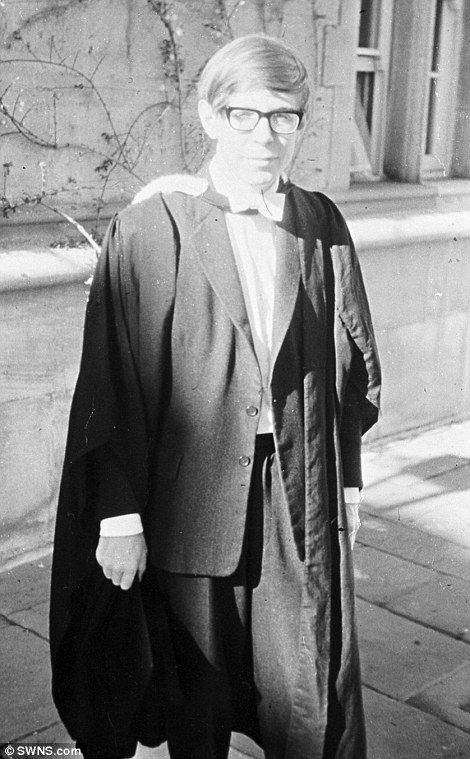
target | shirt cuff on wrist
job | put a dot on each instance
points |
(116, 527)
(353, 495)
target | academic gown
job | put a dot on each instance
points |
(167, 373)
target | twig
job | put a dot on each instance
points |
(76, 72)
(35, 57)
(25, 131)
(165, 105)
(76, 224)
(54, 109)
(233, 11)
(193, 82)
(16, 102)
(163, 12)
(97, 66)
(5, 91)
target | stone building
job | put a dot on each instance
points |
(98, 97)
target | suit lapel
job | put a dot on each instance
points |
(287, 285)
(212, 242)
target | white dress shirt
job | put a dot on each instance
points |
(253, 243)
(252, 237)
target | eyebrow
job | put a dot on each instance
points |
(274, 110)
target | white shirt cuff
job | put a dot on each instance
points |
(353, 498)
(353, 495)
(117, 527)
(131, 524)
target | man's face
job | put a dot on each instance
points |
(259, 156)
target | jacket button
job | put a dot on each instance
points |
(244, 461)
(252, 411)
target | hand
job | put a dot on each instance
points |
(122, 557)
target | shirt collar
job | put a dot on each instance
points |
(243, 197)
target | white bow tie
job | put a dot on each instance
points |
(270, 205)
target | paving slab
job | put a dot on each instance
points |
(409, 542)
(380, 577)
(162, 753)
(423, 481)
(443, 603)
(25, 586)
(4, 621)
(426, 453)
(448, 698)
(55, 733)
(24, 684)
(243, 746)
(438, 506)
(36, 618)
(400, 731)
(400, 657)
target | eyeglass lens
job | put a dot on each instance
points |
(281, 122)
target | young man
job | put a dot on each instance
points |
(228, 372)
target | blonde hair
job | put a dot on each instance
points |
(254, 61)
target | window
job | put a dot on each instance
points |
(372, 62)
(422, 95)
(441, 90)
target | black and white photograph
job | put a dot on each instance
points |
(235, 379)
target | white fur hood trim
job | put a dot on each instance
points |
(186, 183)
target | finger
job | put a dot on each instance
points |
(116, 577)
(127, 579)
(142, 565)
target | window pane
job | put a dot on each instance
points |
(365, 92)
(437, 36)
(369, 23)
(431, 127)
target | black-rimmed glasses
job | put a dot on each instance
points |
(246, 119)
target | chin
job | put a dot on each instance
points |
(261, 177)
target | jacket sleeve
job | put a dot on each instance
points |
(124, 358)
(112, 419)
(350, 438)
(107, 423)
(357, 362)
(114, 495)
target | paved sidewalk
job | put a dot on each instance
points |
(413, 587)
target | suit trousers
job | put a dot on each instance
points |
(235, 640)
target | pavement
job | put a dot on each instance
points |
(412, 560)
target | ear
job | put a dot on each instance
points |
(209, 119)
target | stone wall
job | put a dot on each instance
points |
(101, 104)
(42, 302)
(417, 270)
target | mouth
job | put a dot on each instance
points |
(262, 159)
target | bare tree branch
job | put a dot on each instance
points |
(97, 67)
(75, 72)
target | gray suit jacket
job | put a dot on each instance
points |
(174, 258)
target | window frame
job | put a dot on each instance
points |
(438, 163)
(375, 60)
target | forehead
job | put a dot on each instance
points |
(264, 100)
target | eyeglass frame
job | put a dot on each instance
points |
(262, 114)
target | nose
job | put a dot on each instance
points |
(262, 131)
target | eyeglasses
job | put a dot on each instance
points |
(246, 119)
